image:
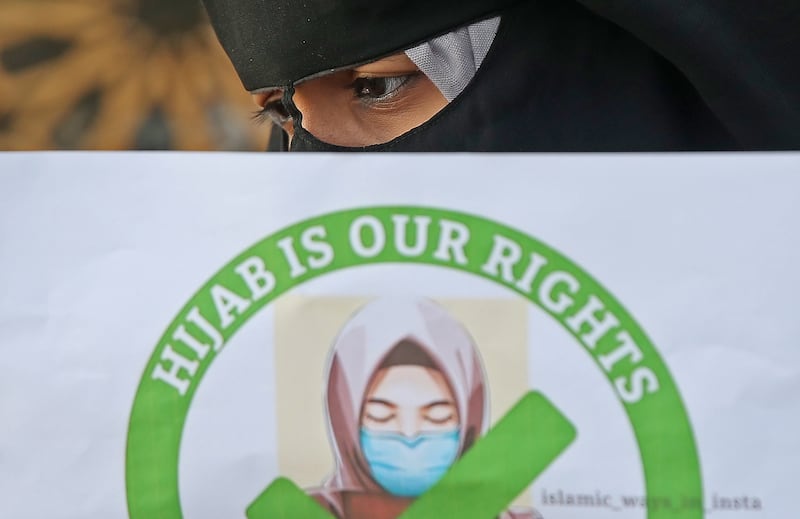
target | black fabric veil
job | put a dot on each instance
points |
(562, 75)
(275, 42)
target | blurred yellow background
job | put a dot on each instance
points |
(116, 75)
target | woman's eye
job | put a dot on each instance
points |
(380, 417)
(379, 88)
(378, 412)
(439, 414)
(274, 112)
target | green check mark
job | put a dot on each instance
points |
(481, 485)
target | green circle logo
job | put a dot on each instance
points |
(406, 235)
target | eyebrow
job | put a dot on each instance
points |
(438, 403)
(382, 402)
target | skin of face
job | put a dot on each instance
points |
(365, 105)
(409, 400)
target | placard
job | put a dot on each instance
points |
(472, 336)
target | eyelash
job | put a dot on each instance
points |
(394, 84)
(381, 420)
(273, 112)
(440, 420)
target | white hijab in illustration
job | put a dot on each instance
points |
(406, 396)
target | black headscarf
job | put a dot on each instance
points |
(562, 75)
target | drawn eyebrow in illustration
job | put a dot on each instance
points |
(439, 403)
(387, 403)
(382, 402)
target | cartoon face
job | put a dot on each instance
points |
(406, 396)
(409, 423)
(409, 400)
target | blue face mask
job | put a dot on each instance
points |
(406, 466)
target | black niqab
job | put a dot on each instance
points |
(276, 42)
(593, 75)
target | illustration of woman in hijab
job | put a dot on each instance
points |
(406, 397)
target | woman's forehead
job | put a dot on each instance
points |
(410, 385)
(395, 63)
(278, 42)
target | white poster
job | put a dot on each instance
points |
(474, 336)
